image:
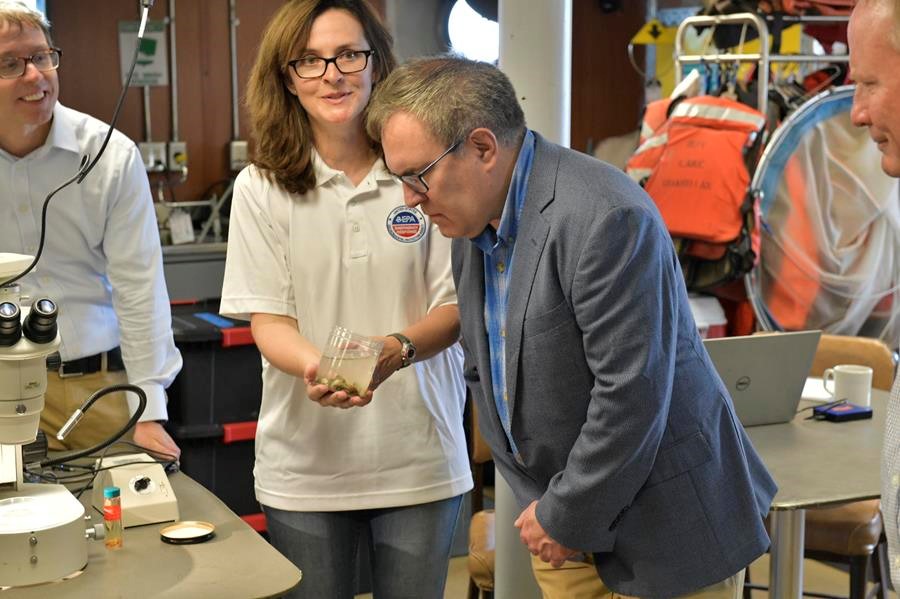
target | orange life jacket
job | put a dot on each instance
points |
(822, 7)
(695, 167)
(655, 115)
(791, 7)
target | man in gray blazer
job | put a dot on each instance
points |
(600, 404)
(874, 36)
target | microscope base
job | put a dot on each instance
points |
(42, 535)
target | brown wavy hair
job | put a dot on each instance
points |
(279, 125)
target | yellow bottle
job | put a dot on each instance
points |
(112, 517)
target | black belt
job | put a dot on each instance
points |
(86, 365)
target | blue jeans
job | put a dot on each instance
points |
(409, 549)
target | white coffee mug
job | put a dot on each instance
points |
(851, 382)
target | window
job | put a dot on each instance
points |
(472, 35)
(37, 4)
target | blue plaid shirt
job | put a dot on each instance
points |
(498, 247)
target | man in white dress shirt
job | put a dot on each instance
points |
(101, 261)
(874, 36)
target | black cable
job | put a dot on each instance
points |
(114, 466)
(90, 483)
(830, 404)
(167, 458)
(115, 118)
(96, 471)
(40, 249)
(61, 480)
(85, 470)
(90, 472)
(142, 398)
(86, 165)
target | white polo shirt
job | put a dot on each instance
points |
(355, 257)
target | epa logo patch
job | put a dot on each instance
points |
(406, 225)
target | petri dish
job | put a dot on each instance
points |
(187, 532)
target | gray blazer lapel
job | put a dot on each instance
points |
(533, 230)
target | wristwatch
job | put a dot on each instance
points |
(407, 349)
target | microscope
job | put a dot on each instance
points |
(43, 534)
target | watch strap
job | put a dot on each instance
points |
(406, 347)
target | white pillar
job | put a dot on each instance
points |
(536, 54)
(513, 578)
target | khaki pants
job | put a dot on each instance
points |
(579, 580)
(65, 395)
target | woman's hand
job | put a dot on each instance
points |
(324, 396)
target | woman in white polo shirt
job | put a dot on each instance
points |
(319, 236)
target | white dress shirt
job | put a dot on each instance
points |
(102, 262)
(890, 481)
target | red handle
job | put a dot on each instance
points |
(256, 521)
(236, 336)
(235, 432)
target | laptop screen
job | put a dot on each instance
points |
(764, 373)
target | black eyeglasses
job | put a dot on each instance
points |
(13, 67)
(416, 181)
(347, 62)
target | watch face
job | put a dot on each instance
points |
(407, 349)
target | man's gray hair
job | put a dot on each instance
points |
(451, 96)
(18, 14)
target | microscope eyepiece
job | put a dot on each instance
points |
(10, 324)
(40, 324)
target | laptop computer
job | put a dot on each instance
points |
(764, 373)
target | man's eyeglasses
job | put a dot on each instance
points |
(347, 62)
(416, 181)
(13, 67)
